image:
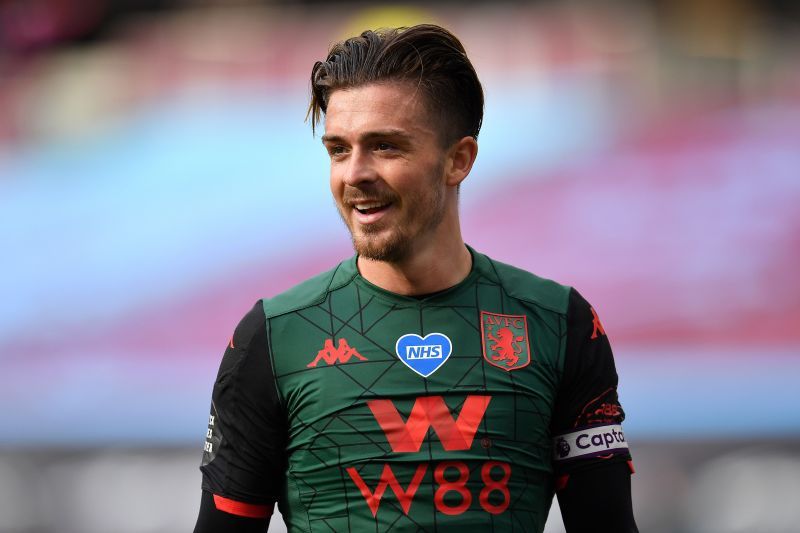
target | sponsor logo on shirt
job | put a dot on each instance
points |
(590, 442)
(424, 355)
(332, 355)
(604, 409)
(485, 487)
(430, 412)
(505, 340)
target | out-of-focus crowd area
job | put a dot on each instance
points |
(157, 177)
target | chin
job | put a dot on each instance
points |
(392, 248)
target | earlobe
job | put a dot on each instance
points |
(461, 158)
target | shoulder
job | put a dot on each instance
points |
(580, 310)
(249, 327)
(525, 286)
(310, 292)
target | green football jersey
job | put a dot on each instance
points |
(358, 409)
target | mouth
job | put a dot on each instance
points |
(369, 208)
(369, 212)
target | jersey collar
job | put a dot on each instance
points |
(479, 264)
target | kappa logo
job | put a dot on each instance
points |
(332, 355)
(505, 340)
(596, 325)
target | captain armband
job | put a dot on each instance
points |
(594, 441)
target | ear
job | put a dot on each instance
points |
(460, 158)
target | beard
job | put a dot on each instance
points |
(393, 241)
(392, 247)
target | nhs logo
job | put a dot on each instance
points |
(424, 352)
(424, 355)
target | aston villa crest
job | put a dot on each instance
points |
(505, 340)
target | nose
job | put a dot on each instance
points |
(360, 168)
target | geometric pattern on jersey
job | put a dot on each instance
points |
(375, 446)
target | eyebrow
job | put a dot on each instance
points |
(396, 133)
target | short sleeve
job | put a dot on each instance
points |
(245, 450)
(587, 418)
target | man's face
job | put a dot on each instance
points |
(387, 168)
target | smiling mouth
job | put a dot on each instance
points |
(368, 208)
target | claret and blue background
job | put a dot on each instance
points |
(157, 177)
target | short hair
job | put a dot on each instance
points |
(425, 55)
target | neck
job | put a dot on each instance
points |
(426, 271)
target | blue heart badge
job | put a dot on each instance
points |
(424, 355)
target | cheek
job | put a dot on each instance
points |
(336, 184)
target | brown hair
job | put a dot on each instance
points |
(426, 55)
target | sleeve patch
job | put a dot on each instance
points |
(213, 437)
(605, 409)
(590, 442)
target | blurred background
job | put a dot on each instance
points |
(157, 177)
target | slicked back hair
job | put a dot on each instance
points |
(426, 56)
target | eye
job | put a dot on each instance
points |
(383, 146)
(335, 150)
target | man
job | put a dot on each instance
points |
(419, 386)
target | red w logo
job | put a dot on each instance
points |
(404, 496)
(427, 412)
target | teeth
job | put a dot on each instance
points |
(371, 205)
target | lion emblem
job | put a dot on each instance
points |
(506, 346)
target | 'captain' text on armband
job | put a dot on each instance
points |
(590, 442)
